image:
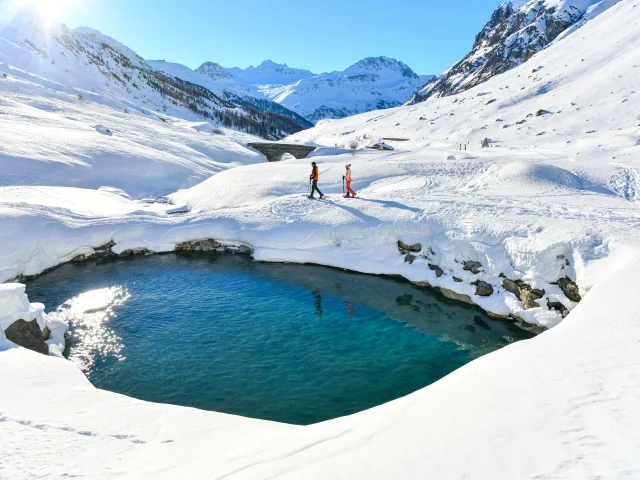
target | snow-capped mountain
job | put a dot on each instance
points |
(516, 31)
(219, 81)
(100, 69)
(370, 84)
(214, 71)
(267, 73)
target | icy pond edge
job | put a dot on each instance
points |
(534, 306)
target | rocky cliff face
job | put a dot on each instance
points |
(516, 31)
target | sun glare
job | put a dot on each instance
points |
(50, 10)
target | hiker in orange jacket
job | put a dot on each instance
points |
(314, 177)
(347, 177)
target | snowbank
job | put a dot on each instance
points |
(563, 404)
(14, 305)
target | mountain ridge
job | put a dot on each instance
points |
(99, 68)
(372, 83)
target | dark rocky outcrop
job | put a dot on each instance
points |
(409, 258)
(210, 245)
(206, 245)
(570, 289)
(460, 297)
(472, 266)
(483, 289)
(27, 335)
(437, 269)
(137, 251)
(559, 307)
(406, 248)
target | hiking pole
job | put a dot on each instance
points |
(343, 185)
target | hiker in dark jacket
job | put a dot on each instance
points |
(314, 177)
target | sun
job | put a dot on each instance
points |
(50, 10)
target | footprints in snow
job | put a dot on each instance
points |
(84, 433)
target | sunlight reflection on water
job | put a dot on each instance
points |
(88, 314)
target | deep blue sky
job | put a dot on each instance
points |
(321, 35)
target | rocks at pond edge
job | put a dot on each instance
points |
(564, 311)
(529, 299)
(570, 289)
(472, 266)
(206, 245)
(242, 250)
(528, 295)
(483, 289)
(210, 245)
(457, 280)
(28, 335)
(135, 251)
(437, 269)
(99, 252)
(511, 286)
(461, 297)
(405, 248)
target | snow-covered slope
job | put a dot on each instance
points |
(516, 31)
(96, 66)
(228, 89)
(370, 84)
(574, 105)
(80, 109)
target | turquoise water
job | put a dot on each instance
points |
(290, 343)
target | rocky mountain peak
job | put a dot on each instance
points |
(214, 71)
(516, 31)
(377, 64)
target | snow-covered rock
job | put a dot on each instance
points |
(15, 307)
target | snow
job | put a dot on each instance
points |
(110, 138)
(532, 208)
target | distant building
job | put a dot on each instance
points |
(381, 146)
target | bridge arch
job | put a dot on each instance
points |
(275, 151)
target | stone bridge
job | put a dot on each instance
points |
(275, 151)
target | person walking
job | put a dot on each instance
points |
(347, 177)
(314, 177)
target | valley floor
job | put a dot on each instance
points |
(559, 406)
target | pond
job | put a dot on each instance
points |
(291, 343)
